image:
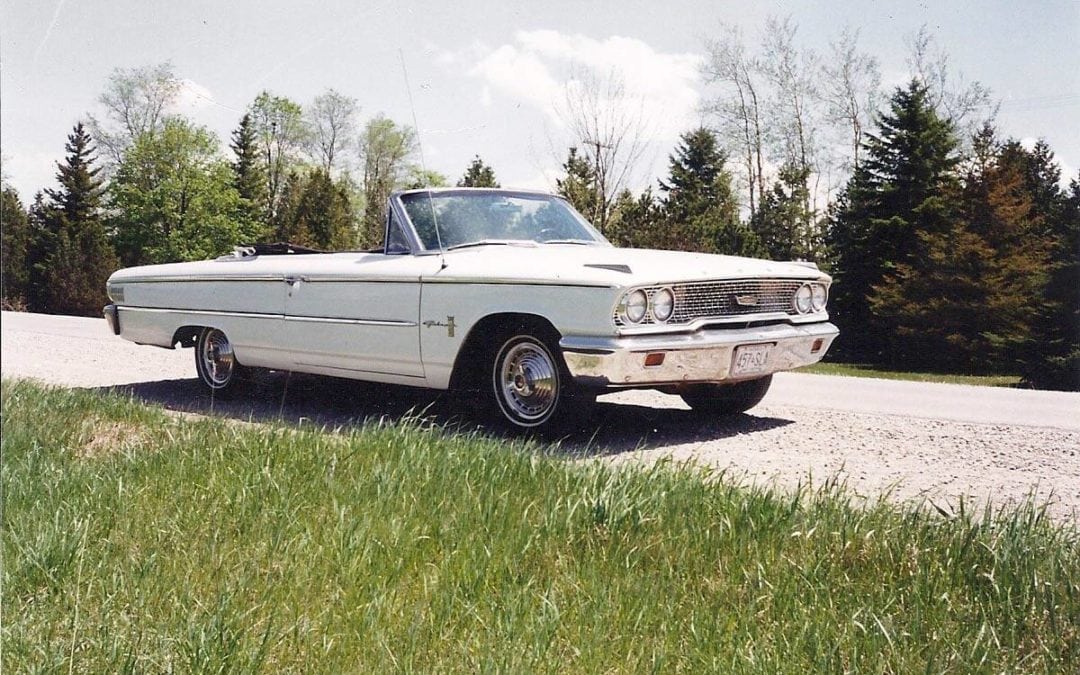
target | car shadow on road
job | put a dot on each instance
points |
(610, 428)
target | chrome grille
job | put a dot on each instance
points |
(723, 299)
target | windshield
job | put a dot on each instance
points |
(476, 218)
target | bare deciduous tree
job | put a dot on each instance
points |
(791, 74)
(282, 133)
(384, 149)
(609, 126)
(738, 106)
(849, 87)
(332, 121)
(136, 101)
(957, 101)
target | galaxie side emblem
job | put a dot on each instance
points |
(746, 300)
(449, 325)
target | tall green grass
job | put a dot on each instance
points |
(134, 542)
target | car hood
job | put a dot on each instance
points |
(609, 266)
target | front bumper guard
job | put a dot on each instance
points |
(704, 356)
(112, 316)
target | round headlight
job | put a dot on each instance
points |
(803, 299)
(819, 296)
(663, 305)
(635, 306)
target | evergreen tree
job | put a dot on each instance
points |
(15, 236)
(636, 222)
(478, 175)
(906, 187)
(287, 225)
(249, 175)
(700, 210)
(40, 245)
(781, 219)
(1057, 335)
(72, 258)
(316, 211)
(698, 181)
(578, 186)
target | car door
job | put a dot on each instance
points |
(356, 315)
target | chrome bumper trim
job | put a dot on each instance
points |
(703, 356)
(112, 317)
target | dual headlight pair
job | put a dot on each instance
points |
(811, 298)
(637, 305)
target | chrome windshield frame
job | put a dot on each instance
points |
(398, 206)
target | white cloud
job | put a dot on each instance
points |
(519, 74)
(540, 66)
(193, 97)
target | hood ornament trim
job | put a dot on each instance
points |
(625, 269)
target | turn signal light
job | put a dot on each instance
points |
(654, 359)
(816, 347)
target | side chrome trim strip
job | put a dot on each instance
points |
(358, 370)
(362, 322)
(266, 315)
(201, 278)
(307, 278)
(481, 281)
(205, 312)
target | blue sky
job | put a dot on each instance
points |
(484, 74)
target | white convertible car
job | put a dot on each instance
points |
(509, 294)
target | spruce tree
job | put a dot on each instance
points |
(74, 257)
(478, 175)
(698, 181)
(249, 175)
(700, 210)
(15, 235)
(579, 185)
(907, 186)
(780, 214)
(1058, 334)
(321, 216)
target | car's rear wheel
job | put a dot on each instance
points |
(216, 364)
(726, 399)
(528, 386)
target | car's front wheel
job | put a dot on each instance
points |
(216, 364)
(726, 399)
(528, 386)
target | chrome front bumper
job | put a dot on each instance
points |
(702, 356)
(112, 316)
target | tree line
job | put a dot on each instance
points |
(951, 248)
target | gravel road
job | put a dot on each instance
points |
(909, 440)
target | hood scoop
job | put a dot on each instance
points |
(625, 269)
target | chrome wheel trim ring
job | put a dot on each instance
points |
(218, 360)
(527, 383)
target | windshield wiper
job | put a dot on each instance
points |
(493, 242)
(580, 242)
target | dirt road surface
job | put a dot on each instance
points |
(909, 440)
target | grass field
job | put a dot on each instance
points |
(862, 370)
(135, 541)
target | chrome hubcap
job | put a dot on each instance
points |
(528, 381)
(218, 359)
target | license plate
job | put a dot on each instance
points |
(750, 359)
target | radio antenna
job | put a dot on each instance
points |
(423, 163)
